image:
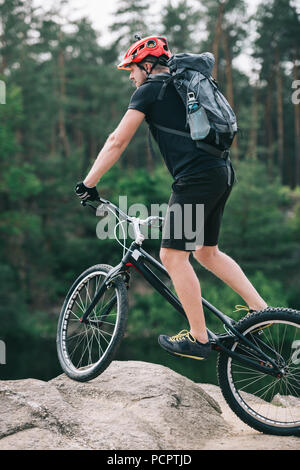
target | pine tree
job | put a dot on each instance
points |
(226, 25)
(179, 23)
(278, 26)
(131, 20)
(131, 17)
(14, 32)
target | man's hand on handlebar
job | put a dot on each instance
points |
(85, 193)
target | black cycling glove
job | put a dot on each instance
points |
(85, 193)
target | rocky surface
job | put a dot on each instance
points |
(132, 405)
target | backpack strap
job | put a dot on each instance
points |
(166, 78)
(209, 148)
(219, 101)
(224, 154)
(171, 131)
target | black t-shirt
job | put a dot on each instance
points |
(180, 154)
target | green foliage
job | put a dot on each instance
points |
(151, 315)
(11, 115)
(64, 96)
(130, 18)
(256, 230)
(138, 185)
(21, 182)
(179, 23)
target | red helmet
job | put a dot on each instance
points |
(152, 45)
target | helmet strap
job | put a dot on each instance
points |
(152, 67)
(142, 68)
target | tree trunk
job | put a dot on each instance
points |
(296, 125)
(218, 33)
(229, 83)
(53, 139)
(79, 138)
(297, 133)
(279, 115)
(269, 127)
(2, 65)
(62, 92)
(2, 56)
(252, 147)
(150, 163)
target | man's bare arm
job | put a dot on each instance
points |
(114, 146)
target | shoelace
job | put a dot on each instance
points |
(182, 334)
(241, 307)
(238, 308)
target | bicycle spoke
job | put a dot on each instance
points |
(87, 343)
(266, 396)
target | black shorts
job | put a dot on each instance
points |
(195, 209)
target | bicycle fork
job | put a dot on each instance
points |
(103, 287)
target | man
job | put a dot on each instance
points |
(199, 179)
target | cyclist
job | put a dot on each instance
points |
(199, 178)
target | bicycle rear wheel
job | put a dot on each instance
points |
(266, 403)
(85, 350)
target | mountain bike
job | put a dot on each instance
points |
(258, 363)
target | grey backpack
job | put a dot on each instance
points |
(208, 111)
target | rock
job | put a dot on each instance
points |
(36, 406)
(132, 405)
(285, 400)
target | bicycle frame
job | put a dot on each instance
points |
(136, 257)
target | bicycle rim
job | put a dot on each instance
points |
(86, 345)
(272, 401)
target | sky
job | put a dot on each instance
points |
(100, 13)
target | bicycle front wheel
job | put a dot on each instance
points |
(270, 404)
(85, 350)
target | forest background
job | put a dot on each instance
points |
(61, 96)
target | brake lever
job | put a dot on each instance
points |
(85, 203)
(160, 227)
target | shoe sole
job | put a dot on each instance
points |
(192, 357)
(182, 355)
